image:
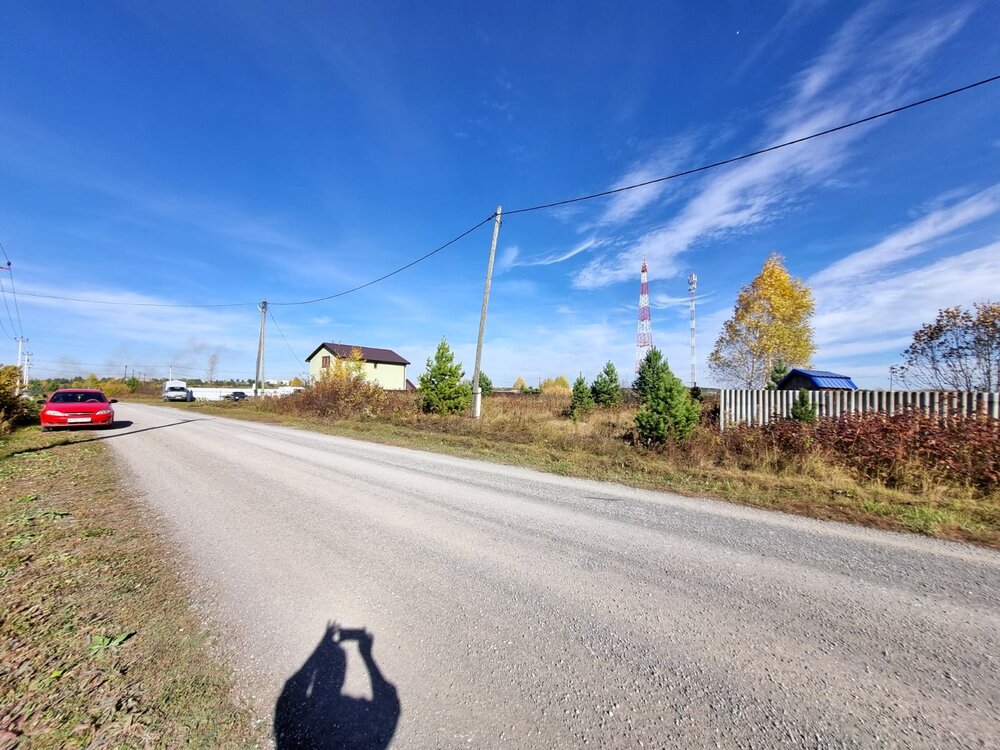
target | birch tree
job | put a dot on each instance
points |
(770, 323)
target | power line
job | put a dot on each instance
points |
(543, 206)
(135, 304)
(751, 154)
(294, 355)
(391, 273)
(13, 293)
(254, 304)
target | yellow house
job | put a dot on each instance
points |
(382, 366)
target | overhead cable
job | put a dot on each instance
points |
(392, 273)
(281, 333)
(751, 154)
(13, 293)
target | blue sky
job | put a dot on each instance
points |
(191, 153)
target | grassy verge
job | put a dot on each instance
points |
(595, 449)
(99, 646)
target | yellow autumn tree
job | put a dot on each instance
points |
(349, 368)
(520, 385)
(771, 322)
(556, 384)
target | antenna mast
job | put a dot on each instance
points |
(692, 289)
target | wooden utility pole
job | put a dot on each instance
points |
(260, 348)
(477, 396)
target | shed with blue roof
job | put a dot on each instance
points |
(815, 380)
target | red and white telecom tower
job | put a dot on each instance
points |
(644, 335)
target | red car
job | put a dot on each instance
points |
(77, 407)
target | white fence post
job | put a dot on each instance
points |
(760, 407)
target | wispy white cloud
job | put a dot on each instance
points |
(625, 205)
(865, 67)
(795, 14)
(664, 301)
(511, 256)
(507, 259)
(913, 239)
(851, 314)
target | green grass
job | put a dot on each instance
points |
(98, 644)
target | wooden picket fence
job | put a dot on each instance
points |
(761, 407)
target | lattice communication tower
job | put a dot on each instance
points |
(644, 334)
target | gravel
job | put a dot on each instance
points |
(511, 608)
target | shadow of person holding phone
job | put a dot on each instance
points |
(311, 713)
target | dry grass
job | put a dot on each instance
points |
(99, 646)
(531, 431)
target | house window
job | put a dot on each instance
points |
(326, 362)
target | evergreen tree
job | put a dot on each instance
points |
(581, 402)
(778, 372)
(606, 388)
(650, 371)
(485, 384)
(803, 410)
(441, 386)
(667, 411)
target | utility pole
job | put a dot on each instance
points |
(125, 376)
(260, 348)
(27, 364)
(21, 341)
(477, 395)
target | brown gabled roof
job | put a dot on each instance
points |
(368, 353)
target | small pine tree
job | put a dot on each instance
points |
(606, 388)
(803, 410)
(485, 384)
(778, 372)
(441, 388)
(650, 371)
(667, 412)
(581, 402)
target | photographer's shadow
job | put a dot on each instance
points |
(312, 713)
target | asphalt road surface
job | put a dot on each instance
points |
(510, 608)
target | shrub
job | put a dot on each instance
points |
(14, 409)
(334, 397)
(441, 387)
(606, 389)
(667, 411)
(581, 402)
(907, 450)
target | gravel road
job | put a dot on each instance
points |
(511, 608)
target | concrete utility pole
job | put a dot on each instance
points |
(21, 341)
(27, 364)
(260, 348)
(477, 395)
